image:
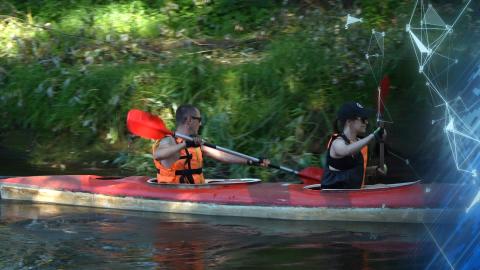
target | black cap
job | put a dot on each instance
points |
(352, 110)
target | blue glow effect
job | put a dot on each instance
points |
(461, 247)
(429, 34)
(457, 245)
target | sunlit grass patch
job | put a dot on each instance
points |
(114, 21)
(14, 36)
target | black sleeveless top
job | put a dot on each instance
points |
(350, 169)
(344, 163)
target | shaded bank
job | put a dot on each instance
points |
(268, 76)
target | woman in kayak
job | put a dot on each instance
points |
(180, 161)
(347, 152)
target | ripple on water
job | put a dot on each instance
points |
(81, 238)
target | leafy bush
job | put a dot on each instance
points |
(267, 75)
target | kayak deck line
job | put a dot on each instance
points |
(407, 202)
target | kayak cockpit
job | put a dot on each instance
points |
(366, 187)
(208, 183)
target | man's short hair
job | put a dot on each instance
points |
(183, 112)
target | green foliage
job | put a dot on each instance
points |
(270, 88)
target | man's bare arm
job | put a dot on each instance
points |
(167, 148)
(222, 156)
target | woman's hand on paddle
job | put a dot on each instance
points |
(380, 134)
(382, 171)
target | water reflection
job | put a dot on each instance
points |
(40, 236)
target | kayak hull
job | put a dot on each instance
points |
(410, 203)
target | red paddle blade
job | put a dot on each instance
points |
(311, 175)
(384, 89)
(146, 125)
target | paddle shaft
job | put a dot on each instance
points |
(235, 153)
(382, 149)
(382, 155)
(383, 88)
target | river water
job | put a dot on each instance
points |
(43, 236)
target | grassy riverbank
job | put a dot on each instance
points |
(267, 75)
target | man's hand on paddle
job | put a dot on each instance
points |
(262, 162)
(196, 142)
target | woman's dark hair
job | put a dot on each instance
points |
(338, 123)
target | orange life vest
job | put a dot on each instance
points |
(186, 170)
(363, 151)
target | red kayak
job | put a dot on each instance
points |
(410, 202)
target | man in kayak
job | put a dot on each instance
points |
(181, 161)
(347, 153)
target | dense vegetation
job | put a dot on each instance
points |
(267, 75)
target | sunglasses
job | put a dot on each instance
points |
(364, 120)
(197, 118)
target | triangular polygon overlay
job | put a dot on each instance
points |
(375, 54)
(422, 48)
(352, 20)
(463, 137)
(379, 38)
(431, 17)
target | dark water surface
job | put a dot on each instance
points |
(43, 236)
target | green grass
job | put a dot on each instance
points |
(268, 86)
